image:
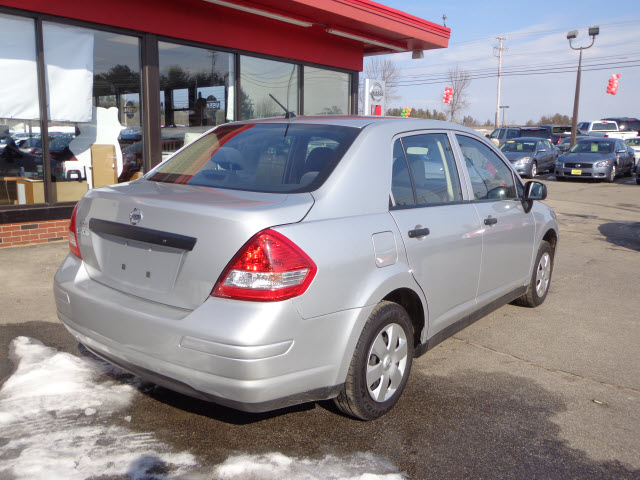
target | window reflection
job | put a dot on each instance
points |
(326, 92)
(95, 134)
(258, 79)
(196, 92)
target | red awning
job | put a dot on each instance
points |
(378, 28)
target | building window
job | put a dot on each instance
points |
(196, 92)
(326, 92)
(21, 169)
(93, 84)
(260, 78)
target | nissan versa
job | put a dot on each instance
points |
(284, 261)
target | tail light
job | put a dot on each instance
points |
(606, 136)
(268, 268)
(73, 236)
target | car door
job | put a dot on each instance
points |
(546, 154)
(442, 233)
(508, 233)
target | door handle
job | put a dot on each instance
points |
(490, 221)
(419, 233)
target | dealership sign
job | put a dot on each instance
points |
(374, 98)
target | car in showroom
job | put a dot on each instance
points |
(281, 261)
(596, 158)
(530, 155)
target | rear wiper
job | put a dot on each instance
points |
(287, 114)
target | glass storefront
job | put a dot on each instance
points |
(21, 169)
(94, 90)
(95, 134)
(262, 81)
(196, 92)
(326, 92)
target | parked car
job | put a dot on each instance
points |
(604, 128)
(564, 144)
(637, 173)
(501, 135)
(634, 143)
(596, 157)
(626, 124)
(529, 155)
(557, 132)
(276, 262)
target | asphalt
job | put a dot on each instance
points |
(551, 392)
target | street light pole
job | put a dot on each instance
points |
(593, 31)
(504, 115)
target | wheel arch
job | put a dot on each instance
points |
(411, 302)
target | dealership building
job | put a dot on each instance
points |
(98, 92)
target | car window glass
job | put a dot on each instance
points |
(503, 132)
(401, 188)
(433, 169)
(491, 179)
(512, 133)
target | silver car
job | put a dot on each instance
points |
(276, 262)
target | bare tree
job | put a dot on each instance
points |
(459, 80)
(382, 69)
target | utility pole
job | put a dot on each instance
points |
(497, 52)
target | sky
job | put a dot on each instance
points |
(538, 51)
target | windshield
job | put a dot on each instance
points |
(587, 146)
(603, 126)
(518, 146)
(266, 157)
(534, 132)
(565, 140)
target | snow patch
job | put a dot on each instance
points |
(276, 466)
(57, 416)
(54, 415)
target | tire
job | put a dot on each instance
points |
(612, 175)
(534, 170)
(561, 179)
(637, 179)
(540, 278)
(388, 323)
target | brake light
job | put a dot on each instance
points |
(73, 237)
(268, 268)
(606, 136)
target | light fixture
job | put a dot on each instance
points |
(572, 34)
(593, 31)
(262, 13)
(365, 40)
(417, 54)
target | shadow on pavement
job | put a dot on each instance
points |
(623, 234)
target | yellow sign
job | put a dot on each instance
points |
(576, 172)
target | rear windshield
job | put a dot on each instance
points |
(518, 146)
(534, 132)
(587, 146)
(263, 157)
(560, 130)
(603, 126)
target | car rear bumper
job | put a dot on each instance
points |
(251, 356)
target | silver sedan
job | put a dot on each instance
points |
(276, 262)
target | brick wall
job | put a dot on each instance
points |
(12, 234)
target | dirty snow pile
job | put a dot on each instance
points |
(60, 419)
(58, 422)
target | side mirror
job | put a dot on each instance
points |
(622, 151)
(488, 136)
(535, 191)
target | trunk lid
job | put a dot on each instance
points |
(169, 243)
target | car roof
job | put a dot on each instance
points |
(359, 121)
(525, 139)
(595, 139)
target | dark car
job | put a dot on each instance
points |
(626, 124)
(564, 145)
(596, 157)
(557, 132)
(529, 155)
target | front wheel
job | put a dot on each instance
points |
(534, 170)
(540, 278)
(380, 365)
(612, 174)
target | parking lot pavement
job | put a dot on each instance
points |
(551, 392)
